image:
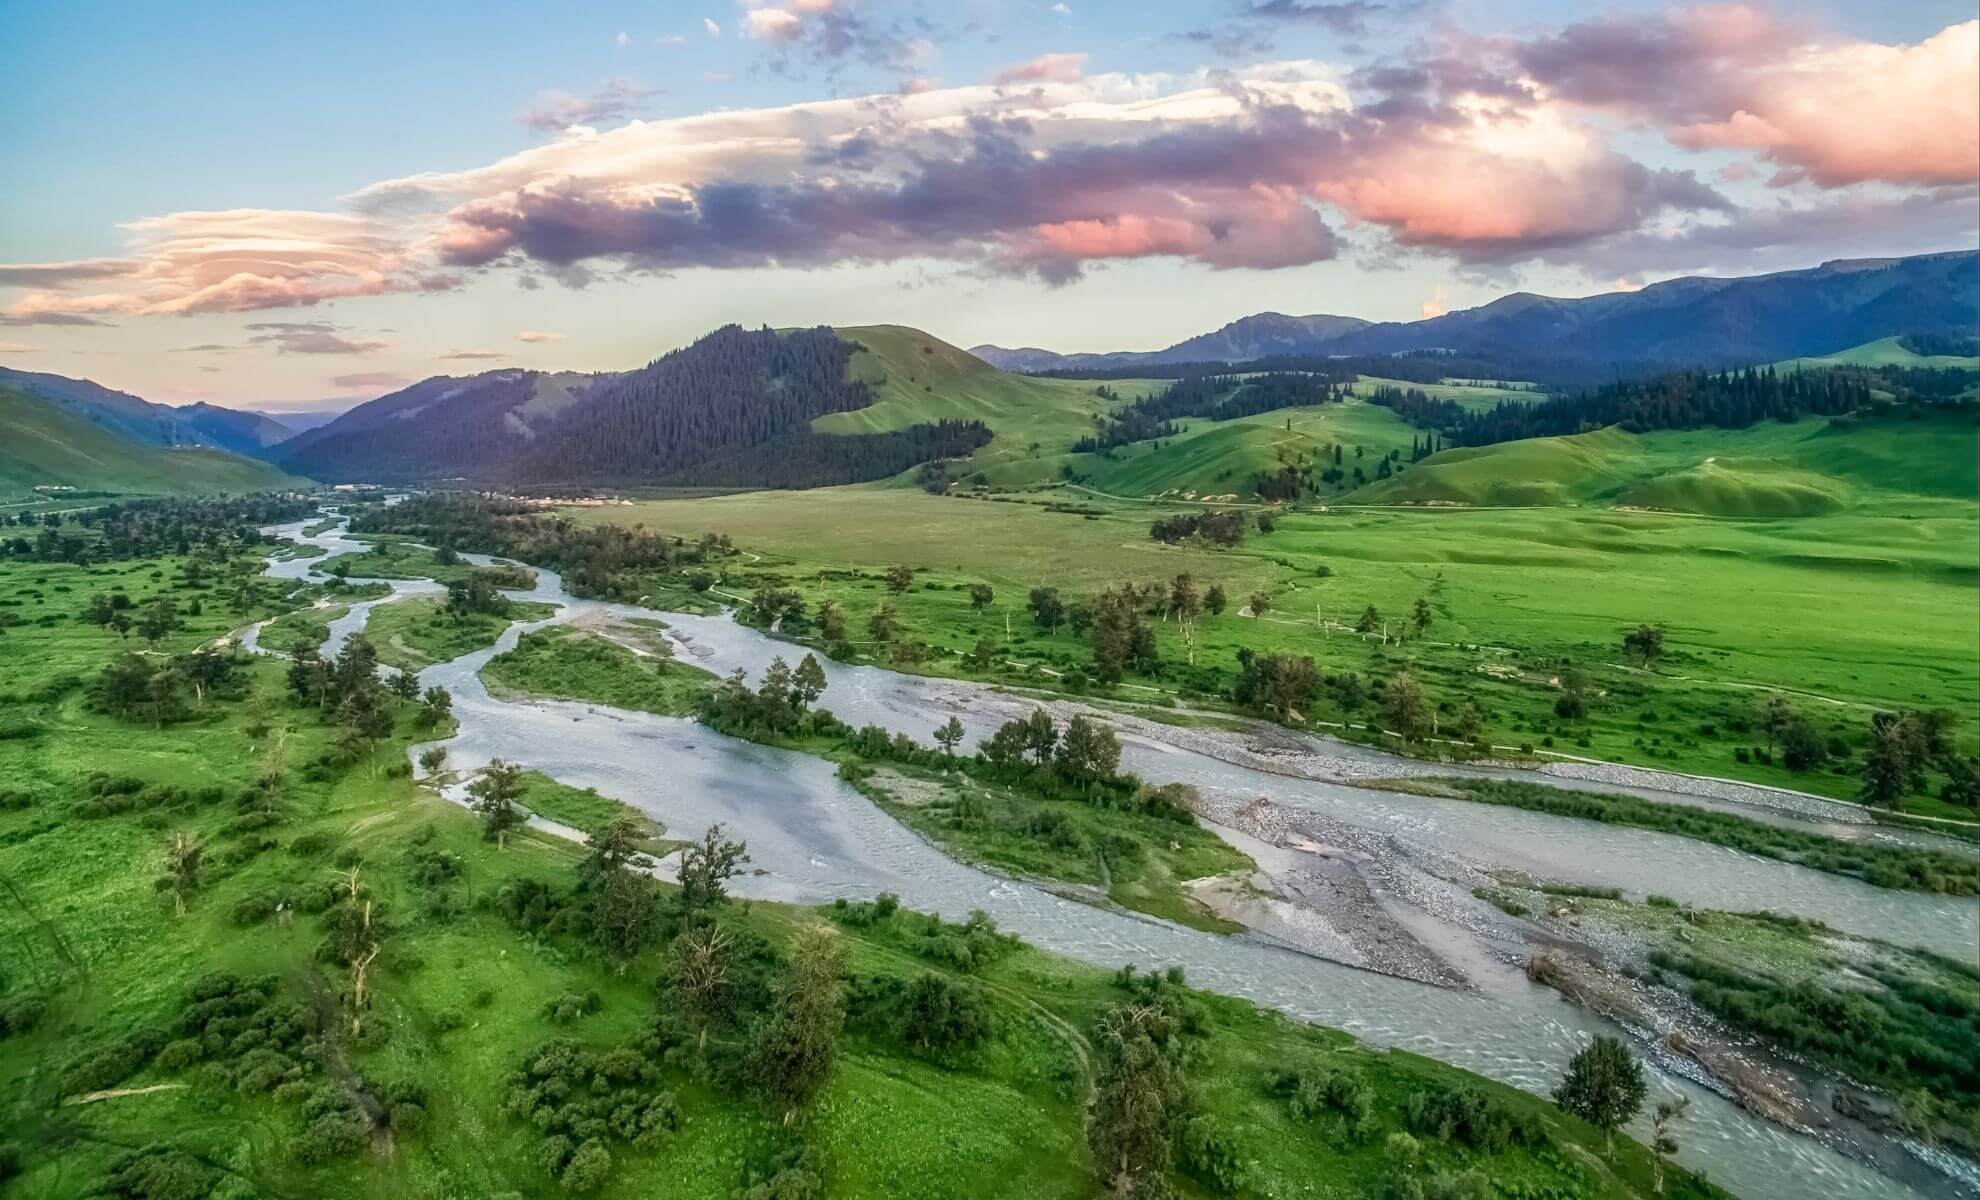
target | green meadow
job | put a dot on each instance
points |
(99, 973)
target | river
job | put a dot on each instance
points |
(812, 839)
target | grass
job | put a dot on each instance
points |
(46, 445)
(1806, 468)
(460, 995)
(1138, 861)
(1907, 868)
(1884, 352)
(390, 558)
(418, 632)
(572, 664)
(1844, 614)
(312, 624)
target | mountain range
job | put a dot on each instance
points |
(1693, 320)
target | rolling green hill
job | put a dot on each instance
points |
(46, 446)
(916, 378)
(1806, 468)
(1884, 352)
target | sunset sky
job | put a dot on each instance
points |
(277, 206)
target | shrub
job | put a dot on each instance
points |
(1210, 1157)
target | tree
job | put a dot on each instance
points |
(982, 656)
(1402, 705)
(900, 577)
(1089, 752)
(1888, 763)
(700, 973)
(705, 867)
(1802, 748)
(980, 596)
(1645, 643)
(1138, 1101)
(1370, 620)
(1047, 610)
(405, 685)
(1663, 1138)
(1420, 617)
(611, 848)
(940, 1016)
(432, 759)
(950, 736)
(1006, 747)
(1604, 1086)
(831, 621)
(160, 617)
(1214, 602)
(1040, 735)
(1261, 603)
(1120, 637)
(185, 869)
(495, 792)
(625, 914)
(792, 1049)
(1775, 715)
(880, 626)
(436, 705)
(808, 683)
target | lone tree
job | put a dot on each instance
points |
(1889, 763)
(495, 793)
(1138, 1100)
(791, 1050)
(900, 577)
(1603, 1086)
(980, 596)
(1261, 603)
(1645, 643)
(1214, 600)
(949, 735)
(1420, 616)
(1402, 705)
(185, 869)
(705, 867)
(1663, 1139)
(701, 973)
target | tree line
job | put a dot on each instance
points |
(1213, 398)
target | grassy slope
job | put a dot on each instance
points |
(1884, 352)
(1805, 468)
(44, 445)
(1005, 1124)
(917, 378)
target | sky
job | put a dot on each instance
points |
(300, 207)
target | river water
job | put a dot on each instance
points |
(812, 839)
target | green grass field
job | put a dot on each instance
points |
(461, 995)
(1884, 352)
(571, 664)
(45, 445)
(1808, 468)
(416, 633)
(1845, 613)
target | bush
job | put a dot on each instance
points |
(21, 1012)
(1210, 1157)
(112, 1063)
(589, 1167)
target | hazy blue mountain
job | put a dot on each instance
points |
(1758, 318)
(235, 429)
(119, 412)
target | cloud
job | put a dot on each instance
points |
(1486, 151)
(535, 336)
(671, 39)
(1438, 304)
(15, 348)
(1046, 68)
(56, 274)
(714, 30)
(380, 380)
(614, 100)
(237, 260)
(1062, 10)
(1833, 111)
(308, 337)
(468, 355)
(622, 39)
(1351, 17)
(44, 317)
(773, 24)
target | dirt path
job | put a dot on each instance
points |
(115, 1093)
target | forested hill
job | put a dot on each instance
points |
(733, 409)
(1684, 400)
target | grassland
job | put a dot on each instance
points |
(1884, 352)
(416, 633)
(461, 994)
(48, 446)
(1844, 614)
(571, 664)
(1135, 860)
(1807, 468)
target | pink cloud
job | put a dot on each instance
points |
(1046, 68)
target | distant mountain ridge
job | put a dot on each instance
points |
(209, 425)
(1691, 320)
(117, 448)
